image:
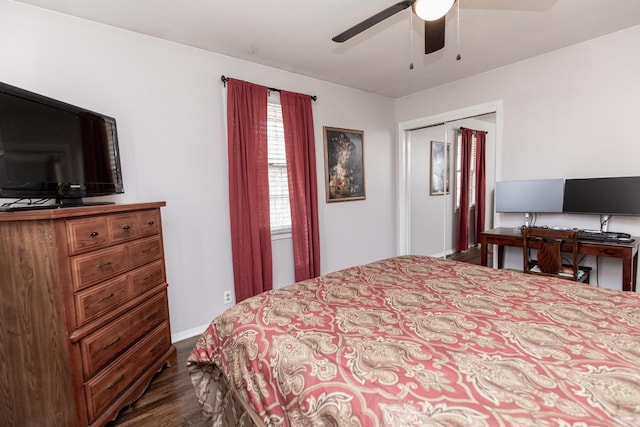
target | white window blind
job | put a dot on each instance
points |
(472, 171)
(278, 185)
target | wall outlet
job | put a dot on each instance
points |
(227, 297)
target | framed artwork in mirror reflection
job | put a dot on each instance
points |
(440, 174)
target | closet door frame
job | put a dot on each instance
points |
(404, 131)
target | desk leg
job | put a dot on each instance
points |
(634, 278)
(483, 251)
(629, 271)
(500, 256)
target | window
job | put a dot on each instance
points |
(278, 184)
(472, 171)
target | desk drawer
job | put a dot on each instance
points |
(104, 345)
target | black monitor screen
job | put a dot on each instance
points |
(604, 196)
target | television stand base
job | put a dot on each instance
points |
(37, 207)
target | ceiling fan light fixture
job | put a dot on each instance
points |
(431, 10)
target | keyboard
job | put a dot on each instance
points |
(604, 236)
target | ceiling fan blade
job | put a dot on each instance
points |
(373, 20)
(433, 35)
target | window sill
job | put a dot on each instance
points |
(281, 235)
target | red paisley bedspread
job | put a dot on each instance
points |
(418, 341)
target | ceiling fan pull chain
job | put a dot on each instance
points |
(410, 39)
(458, 57)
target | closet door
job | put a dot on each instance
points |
(430, 191)
(431, 203)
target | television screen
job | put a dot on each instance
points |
(531, 196)
(50, 149)
(604, 196)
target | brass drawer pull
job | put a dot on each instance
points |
(106, 264)
(126, 227)
(94, 234)
(152, 315)
(106, 346)
(156, 347)
(120, 378)
(151, 222)
(150, 276)
(107, 298)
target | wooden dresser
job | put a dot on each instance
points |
(84, 319)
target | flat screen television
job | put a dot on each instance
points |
(530, 196)
(603, 196)
(53, 150)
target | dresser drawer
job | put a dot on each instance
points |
(144, 251)
(147, 277)
(105, 388)
(98, 300)
(104, 345)
(87, 234)
(97, 266)
(148, 222)
(122, 227)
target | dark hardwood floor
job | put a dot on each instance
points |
(169, 401)
(472, 256)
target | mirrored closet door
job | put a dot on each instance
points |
(432, 185)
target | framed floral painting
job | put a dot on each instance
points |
(344, 164)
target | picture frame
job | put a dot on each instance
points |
(440, 181)
(344, 164)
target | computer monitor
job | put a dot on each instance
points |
(603, 196)
(530, 196)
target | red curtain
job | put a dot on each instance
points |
(297, 118)
(249, 188)
(481, 178)
(462, 238)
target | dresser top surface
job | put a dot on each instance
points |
(78, 211)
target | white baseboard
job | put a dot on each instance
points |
(443, 254)
(189, 333)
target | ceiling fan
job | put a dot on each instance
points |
(431, 11)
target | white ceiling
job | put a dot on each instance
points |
(295, 35)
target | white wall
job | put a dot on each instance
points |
(568, 114)
(169, 104)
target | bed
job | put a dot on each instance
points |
(421, 341)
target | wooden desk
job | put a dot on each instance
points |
(626, 251)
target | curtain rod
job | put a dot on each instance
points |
(225, 79)
(461, 128)
(440, 124)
